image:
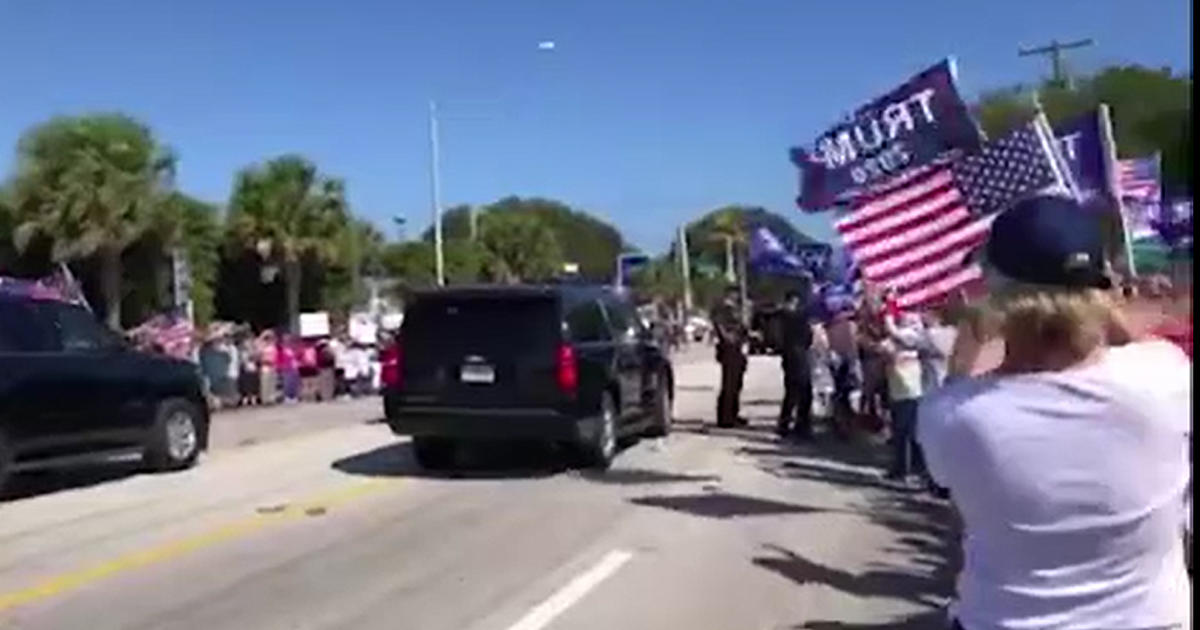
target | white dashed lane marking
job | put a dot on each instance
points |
(541, 615)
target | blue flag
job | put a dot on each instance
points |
(768, 254)
(1080, 143)
(912, 125)
(628, 264)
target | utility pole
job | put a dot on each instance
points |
(685, 269)
(439, 261)
(1054, 50)
(730, 274)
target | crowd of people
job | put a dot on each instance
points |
(879, 361)
(1053, 412)
(243, 369)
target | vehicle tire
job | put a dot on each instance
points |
(434, 453)
(598, 453)
(660, 414)
(174, 441)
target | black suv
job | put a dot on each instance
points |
(569, 364)
(72, 391)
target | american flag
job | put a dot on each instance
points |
(917, 234)
(1141, 195)
(1138, 179)
(173, 333)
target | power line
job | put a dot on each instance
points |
(1054, 50)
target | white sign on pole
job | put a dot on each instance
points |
(314, 324)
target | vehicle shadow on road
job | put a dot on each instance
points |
(33, 484)
(480, 462)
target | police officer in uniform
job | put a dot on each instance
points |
(796, 412)
(731, 337)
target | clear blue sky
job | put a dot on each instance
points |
(647, 113)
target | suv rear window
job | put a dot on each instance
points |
(510, 325)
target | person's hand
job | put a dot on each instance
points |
(968, 348)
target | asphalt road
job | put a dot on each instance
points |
(317, 517)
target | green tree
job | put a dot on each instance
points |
(285, 210)
(8, 223)
(659, 278)
(358, 248)
(1151, 111)
(411, 263)
(193, 228)
(583, 239)
(706, 250)
(466, 262)
(89, 185)
(519, 247)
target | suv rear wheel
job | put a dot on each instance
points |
(434, 453)
(174, 441)
(598, 453)
(660, 413)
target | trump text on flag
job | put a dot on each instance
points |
(910, 126)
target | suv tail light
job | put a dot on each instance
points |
(568, 370)
(391, 365)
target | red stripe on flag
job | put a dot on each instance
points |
(915, 236)
(884, 205)
(923, 232)
(936, 290)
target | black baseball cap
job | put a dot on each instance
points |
(1050, 241)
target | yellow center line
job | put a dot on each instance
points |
(73, 580)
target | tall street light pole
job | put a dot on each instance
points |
(435, 184)
(439, 261)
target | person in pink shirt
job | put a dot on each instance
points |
(287, 364)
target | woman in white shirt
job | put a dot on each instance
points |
(1070, 463)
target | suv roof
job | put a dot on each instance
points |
(570, 291)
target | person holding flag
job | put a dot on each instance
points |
(1070, 463)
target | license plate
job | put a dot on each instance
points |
(484, 374)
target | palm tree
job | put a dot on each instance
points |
(359, 246)
(286, 211)
(729, 226)
(89, 184)
(183, 225)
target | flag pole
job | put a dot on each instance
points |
(76, 288)
(1110, 172)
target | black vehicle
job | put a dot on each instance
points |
(569, 364)
(72, 392)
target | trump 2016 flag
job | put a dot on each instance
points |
(914, 124)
